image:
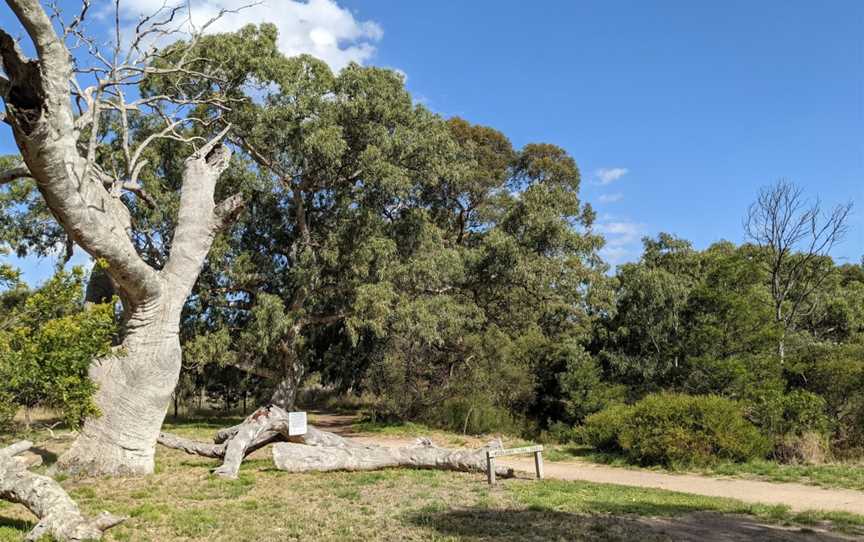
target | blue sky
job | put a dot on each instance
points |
(700, 102)
(677, 112)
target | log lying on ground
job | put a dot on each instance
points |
(318, 450)
(192, 447)
(262, 427)
(59, 516)
(293, 457)
(265, 425)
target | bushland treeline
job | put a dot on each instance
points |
(428, 266)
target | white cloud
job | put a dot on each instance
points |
(610, 198)
(615, 256)
(610, 175)
(318, 27)
(622, 232)
(623, 241)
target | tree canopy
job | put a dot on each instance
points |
(428, 265)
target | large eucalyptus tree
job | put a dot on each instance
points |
(64, 112)
(378, 229)
(334, 154)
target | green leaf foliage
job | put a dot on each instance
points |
(47, 343)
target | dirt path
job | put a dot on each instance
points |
(797, 496)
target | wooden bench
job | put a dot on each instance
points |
(492, 454)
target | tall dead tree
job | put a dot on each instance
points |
(57, 122)
(797, 236)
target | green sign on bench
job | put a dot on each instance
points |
(492, 454)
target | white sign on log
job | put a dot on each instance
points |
(296, 423)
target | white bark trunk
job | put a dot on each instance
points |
(135, 384)
(285, 393)
(59, 516)
(294, 457)
(323, 451)
(134, 393)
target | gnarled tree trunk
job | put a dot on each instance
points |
(285, 392)
(134, 393)
(135, 383)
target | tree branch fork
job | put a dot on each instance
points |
(38, 95)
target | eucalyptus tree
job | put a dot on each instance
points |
(334, 155)
(64, 112)
(797, 237)
(498, 275)
(381, 241)
(644, 339)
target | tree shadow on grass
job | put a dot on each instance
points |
(475, 524)
(16, 524)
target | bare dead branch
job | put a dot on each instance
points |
(797, 238)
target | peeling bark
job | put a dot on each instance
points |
(59, 516)
(323, 451)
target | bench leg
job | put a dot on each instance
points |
(490, 468)
(538, 464)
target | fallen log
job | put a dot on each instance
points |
(294, 457)
(233, 444)
(262, 427)
(318, 450)
(59, 516)
(192, 447)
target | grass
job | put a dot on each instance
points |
(393, 429)
(183, 502)
(842, 475)
(830, 475)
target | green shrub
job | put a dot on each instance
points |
(804, 412)
(671, 429)
(583, 388)
(601, 429)
(782, 415)
(835, 372)
(48, 343)
(560, 432)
